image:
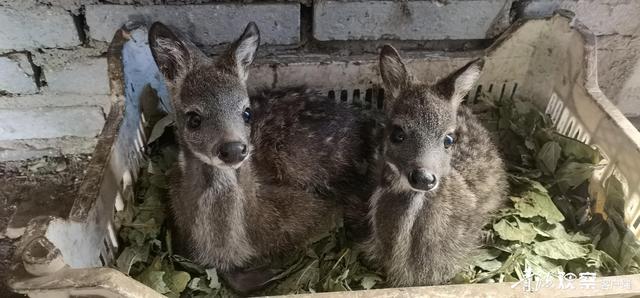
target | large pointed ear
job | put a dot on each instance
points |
(243, 50)
(171, 53)
(394, 74)
(458, 84)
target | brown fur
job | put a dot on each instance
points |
(423, 237)
(302, 154)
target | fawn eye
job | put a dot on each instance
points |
(397, 135)
(448, 140)
(246, 115)
(193, 120)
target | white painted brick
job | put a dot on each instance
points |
(33, 148)
(55, 100)
(411, 20)
(16, 75)
(209, 24)
(85, 77)
(37, 27)
(603, 17)
(44, 123)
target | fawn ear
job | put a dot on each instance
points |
(456, 86)
(394, 74)
(243, 50)
(173, 55)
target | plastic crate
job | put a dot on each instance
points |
(551, 61)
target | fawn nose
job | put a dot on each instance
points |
(423, 180)
(232, 152)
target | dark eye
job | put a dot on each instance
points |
(246, 115)
(193, 120)
(449, 140)
(397, 135)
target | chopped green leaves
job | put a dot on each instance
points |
(549, 226)
(560, 249)
(548, 157)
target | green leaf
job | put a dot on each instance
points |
(178, 281)
(536, 203)
(199, 284)
(560, 249)
(154, 280)
(490, 265)
(575, 150)
(515, 231)
(212, 276)
(188, 265)
(131, 255)
(541, 266)
(610, 242)
(368, 281)
(485, 254)
(629, 251)
(558, 231)
(548, 157)
(603, 262)
(615, 196)
(572, 174)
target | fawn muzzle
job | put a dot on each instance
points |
(422, 180)
(232, 152)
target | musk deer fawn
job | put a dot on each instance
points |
(439, 176)
(255, 178)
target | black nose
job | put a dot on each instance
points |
(423, 180)
(233, 152)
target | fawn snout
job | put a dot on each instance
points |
(232, 153)
(422, 179)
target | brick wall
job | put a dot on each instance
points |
(54, 87)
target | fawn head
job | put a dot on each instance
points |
(420, 128)
(209, 97)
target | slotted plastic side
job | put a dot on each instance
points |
(554, 64)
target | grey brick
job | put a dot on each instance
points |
(603, 17)
(85, 77)
(208, 24)
(33, 148)
(44, 123)
(56, 101)
(16, 75)
(411, 20)
(37, 27)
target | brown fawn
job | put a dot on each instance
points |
(256, 178)
(439, 176)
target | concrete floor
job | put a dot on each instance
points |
(31, 188)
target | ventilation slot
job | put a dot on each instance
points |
(356, 98)
(380, 98)
(359, 97)
(506, 90)
(564, 121)
(332, 95)
(368, 98)
(344, 96)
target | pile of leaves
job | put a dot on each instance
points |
(548, 224)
